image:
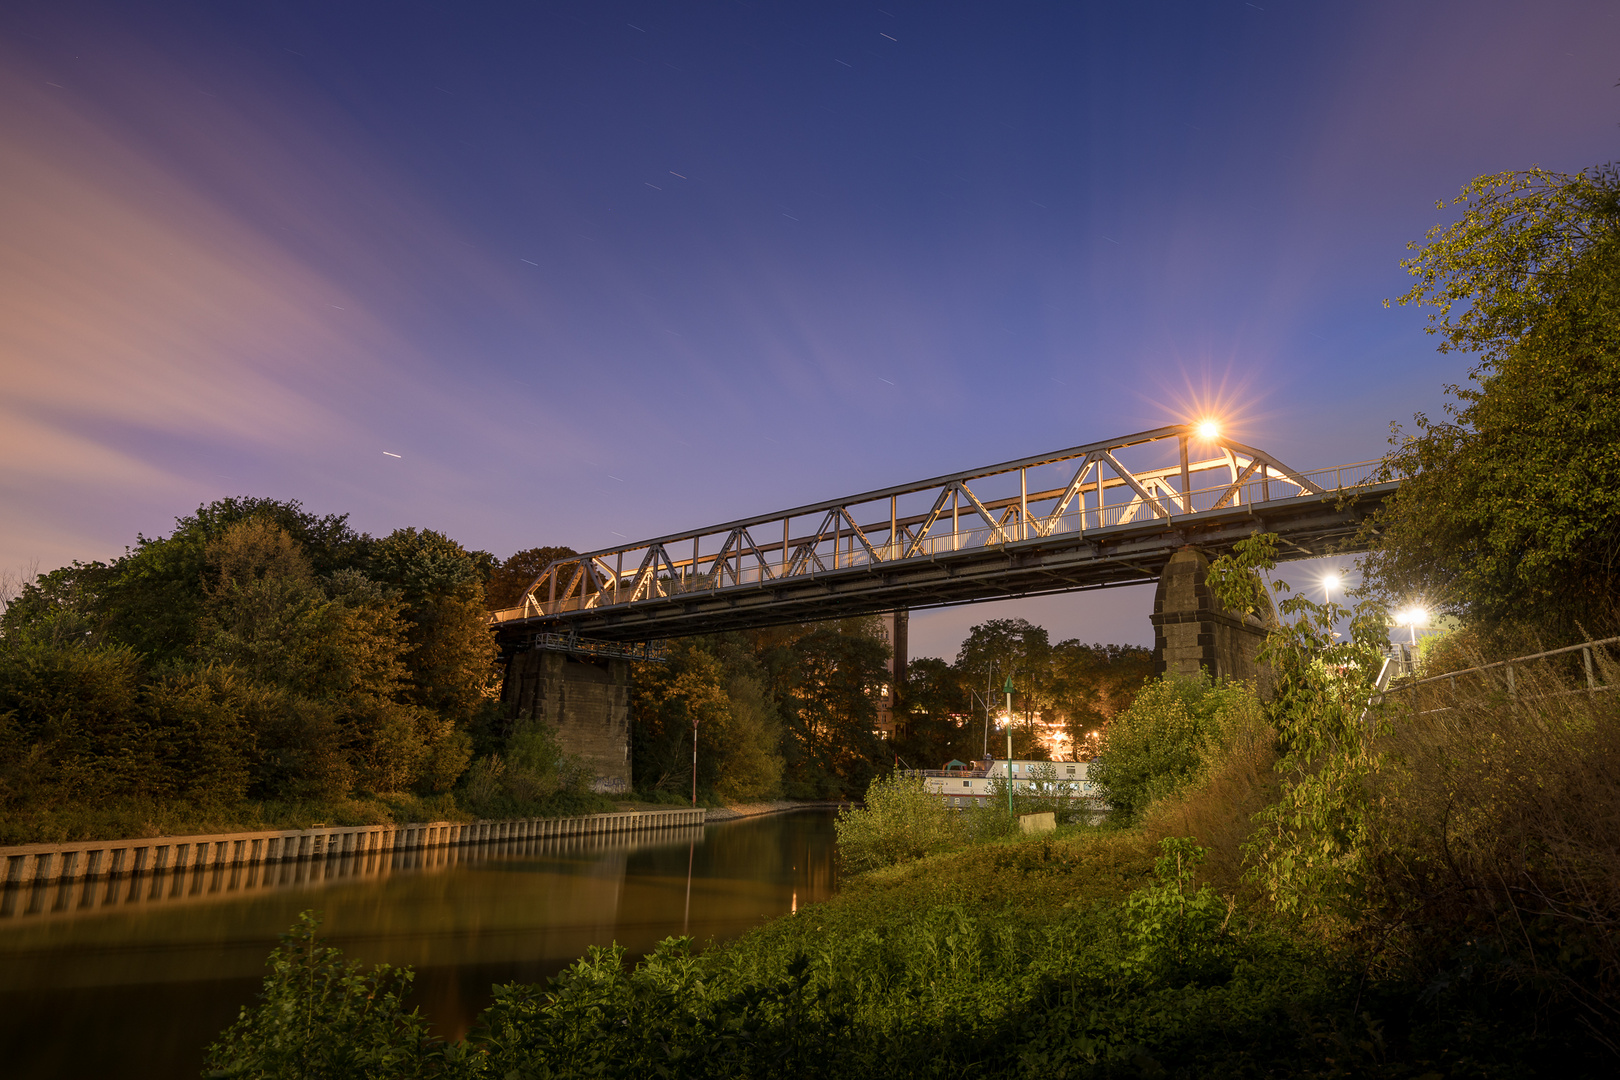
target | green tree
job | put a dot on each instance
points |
(716, 682)
(1089, 685)
(1509, 512)
(452, 654)
(825, 679)
(1161, 743)
(508, 580)
(666, 700)
(1000, 648)
(939, 722)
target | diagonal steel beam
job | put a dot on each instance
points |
(1243, 478)
(978, 508)
(1131, 482)
(1290, 475)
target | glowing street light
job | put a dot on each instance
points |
(1208, 430)
(1329, 583)
(1412, 617)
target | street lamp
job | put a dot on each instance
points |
(1208, 430)
(1007, 688)
(1412, 617)
(1329, 583)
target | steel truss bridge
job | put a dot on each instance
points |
(1075, 519)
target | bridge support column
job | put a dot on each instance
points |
(587, 698)
(896, 630)
(1192, 632)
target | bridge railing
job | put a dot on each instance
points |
(1099, 494)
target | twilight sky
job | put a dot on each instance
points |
(602, 271)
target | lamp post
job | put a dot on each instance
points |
(1413, 617)
(1007, 688)
(694, 758)
(1329, 583)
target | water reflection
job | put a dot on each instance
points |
(78, 896)
(136, 975)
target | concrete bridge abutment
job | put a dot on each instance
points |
(587, 698)
(1192, 632)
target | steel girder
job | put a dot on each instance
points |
(970, 536)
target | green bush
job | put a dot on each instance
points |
(1059, 956)
(532, 779)
(899, 822)
(1167, 739)
(321, 1016)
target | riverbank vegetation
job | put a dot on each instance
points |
(1313, 889)
(264, 667)
(261, 666)
(794, 711)
(1323, 880)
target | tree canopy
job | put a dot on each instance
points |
(1509, 514)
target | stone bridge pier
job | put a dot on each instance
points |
(586, 697)
(1193, 632)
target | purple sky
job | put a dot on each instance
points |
(605, 271)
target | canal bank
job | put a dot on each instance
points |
(138, 989)
(33, 864)
(779, 806)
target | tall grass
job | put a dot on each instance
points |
(1496, 835)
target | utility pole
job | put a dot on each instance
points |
(1007, 688)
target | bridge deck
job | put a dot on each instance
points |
(948, 541)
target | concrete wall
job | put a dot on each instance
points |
(1191, 631)
(587, 698)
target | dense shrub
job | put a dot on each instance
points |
(1065, 957)
(531, 777)
(1495, 833)
(321, 1016)
(899, 821)
(1168, 738)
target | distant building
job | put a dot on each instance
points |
(968, 784)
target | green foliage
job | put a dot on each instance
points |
(1166, 738)
(935, 726)
(827, 693)
(451, 658)
(1063, 956)
(508, 580)
(1308, 852)
(690, 694)
(1089, 685)
(1175, 933)
(1509, 513)
(321, 1016)
(532, 777)
(259, 662)
(1082, 686)
(899, 821)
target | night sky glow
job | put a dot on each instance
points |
(572, 273)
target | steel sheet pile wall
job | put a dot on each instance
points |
(30, 864)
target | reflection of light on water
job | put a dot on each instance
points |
(158, 971)
(78, 897)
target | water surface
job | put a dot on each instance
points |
(133, 977)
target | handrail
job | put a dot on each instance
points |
(1505, 663)
(1016, 502)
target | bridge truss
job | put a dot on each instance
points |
(1076, 519)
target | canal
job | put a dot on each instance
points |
(133, 977)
